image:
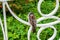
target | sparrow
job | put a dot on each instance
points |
(32, 21)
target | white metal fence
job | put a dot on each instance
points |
(42, 26)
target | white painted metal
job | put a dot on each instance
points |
(43, 26)
(5, 0)
(50, 14)
(2, 28)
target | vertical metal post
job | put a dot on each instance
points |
(5, 24)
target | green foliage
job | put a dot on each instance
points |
(18, 31)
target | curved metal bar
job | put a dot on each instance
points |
(13, 14)
(54, 34)
(5, 0)
(42, 28)
(2, 28)
(45, 16)
(48, 24)
(50, 14)
(5, 24)
(29, 31)
(42, 18)
(27, 23)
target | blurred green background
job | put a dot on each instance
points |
(17, 30)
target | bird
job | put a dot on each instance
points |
(32, 21)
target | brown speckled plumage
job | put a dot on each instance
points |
(32, 21)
